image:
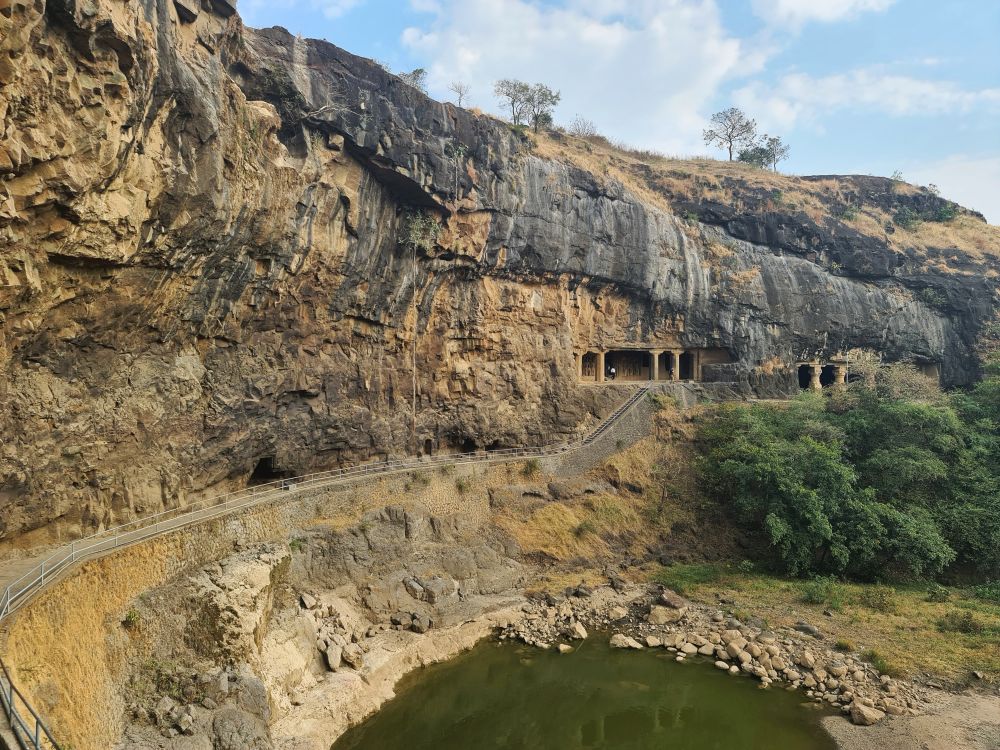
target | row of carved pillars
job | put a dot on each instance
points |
(815, 370)
(672, 370)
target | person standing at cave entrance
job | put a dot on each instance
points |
(614, 373)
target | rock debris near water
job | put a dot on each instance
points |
(795, 657)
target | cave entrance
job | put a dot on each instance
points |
(665, 365)
(805, 376)
(628, 364)
(588, 366)
(828, 375)
(265, 471)
(685, 366)
(468, 446)
(428, 447)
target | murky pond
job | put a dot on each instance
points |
(516, 698)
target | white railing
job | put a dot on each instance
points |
(18, 591)
(21, 590)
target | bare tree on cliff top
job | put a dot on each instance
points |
(731, 129)
(460, 89)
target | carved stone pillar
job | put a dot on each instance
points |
(654, 365)
(840, 375)
(814, 371)
(579, 365)
(600, 367)
(676, 372)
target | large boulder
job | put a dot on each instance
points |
(865, 715)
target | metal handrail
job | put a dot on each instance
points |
(35, 736)
(209, 508)
(20, 590)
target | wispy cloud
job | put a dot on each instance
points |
(796, 13)
(644, 70)
(799, 97)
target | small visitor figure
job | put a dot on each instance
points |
(613, 373)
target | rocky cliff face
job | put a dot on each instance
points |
(205, 265)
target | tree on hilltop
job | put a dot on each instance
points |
(528, 104)
(515, 96)
(731, 129)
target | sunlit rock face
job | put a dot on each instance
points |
(205, 270)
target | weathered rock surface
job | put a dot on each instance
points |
(203, 269)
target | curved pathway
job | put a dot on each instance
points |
(23, 579)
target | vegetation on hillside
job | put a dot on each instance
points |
(867, 483)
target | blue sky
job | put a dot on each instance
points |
(854, 86)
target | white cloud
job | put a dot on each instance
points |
(337, 8)
(643, 70)
(799, 97)
(967, 180)
(798, 12)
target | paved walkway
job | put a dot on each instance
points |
(21, 580)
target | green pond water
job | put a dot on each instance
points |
(512, 697)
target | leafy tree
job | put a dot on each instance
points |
(416, 78)
(766, 153)
(541, 102)
(515, 96)
(527, 104)
(777, 150)
(758, 156)
(461, 90)
(731, 129)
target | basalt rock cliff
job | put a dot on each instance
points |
(208, 265)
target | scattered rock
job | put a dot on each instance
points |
(308, 601)
(805, 627)
(661, 615)
(353, 656)
(865, 715)
(619, 640)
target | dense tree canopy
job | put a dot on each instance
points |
(866, 483)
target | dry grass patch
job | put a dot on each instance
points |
(898, 624)
(661, 180)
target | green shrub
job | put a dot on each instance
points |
(938, 593)
(531, 467)
(420, 230)
(462, 485)
(297, 544)
(988, 592)
(585, 527)
(906, 218)
(960, 622)
(132, 619)
(946, 212)
(844, 646)
(818, 591)
(849, 212)
(881, 664)
(932, 297)
(879, 598)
